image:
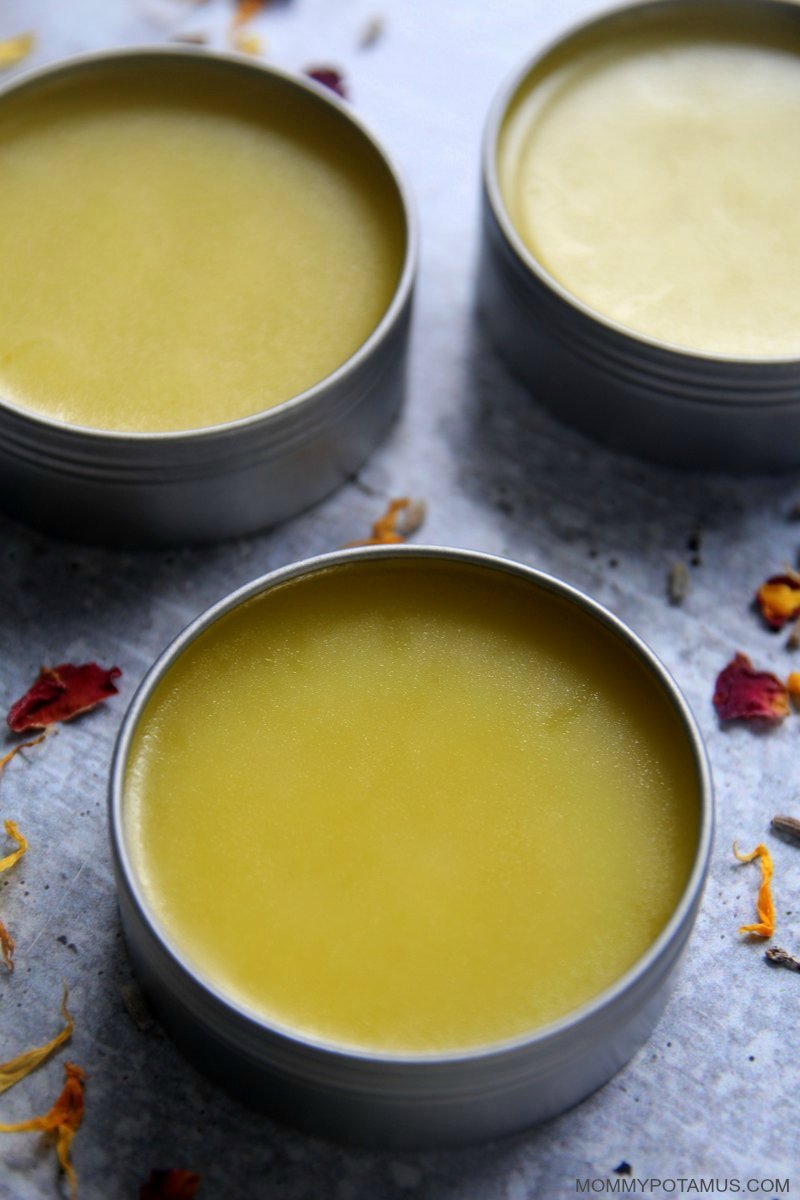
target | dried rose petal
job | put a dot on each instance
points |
(742, 693)
(61, 693)
(779, 599)
(170, 1185)
(329, 77)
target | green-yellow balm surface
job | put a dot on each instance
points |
(410, 808)
(183, 247)
(655, 175)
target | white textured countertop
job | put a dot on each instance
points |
(714, 1093)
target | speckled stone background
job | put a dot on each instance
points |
(714, 1094)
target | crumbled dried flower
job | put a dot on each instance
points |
(743, 693)
(246, 43)
(62, 1122)
(7, 945)
(14, 49)
(678, 583)
(779, 599)
(788, 826)
(61, 693)
(170, 1185)
(402, 518)
(372, 32)
(18, 1068)
(782, 958)
(329, 77)
(765, 926)
(245, 11)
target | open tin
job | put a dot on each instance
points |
(653, 395)
(394, 1098)
(183, 485)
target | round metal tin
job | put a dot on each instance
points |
(671, 405)
(396, 1100)
(229, 479)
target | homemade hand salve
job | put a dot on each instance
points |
(653, 170)
(407, 806)
(183, 244)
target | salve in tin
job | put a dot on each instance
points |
(653, 170)
(181, 246)
(409, 806)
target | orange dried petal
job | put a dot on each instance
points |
(18, 1068)
(13, 831)
(743, 693)
(62, 1122)
(7, 945)
(402, 518)
(765, 926)
(6, 759)
(779, 599)
(245, 11)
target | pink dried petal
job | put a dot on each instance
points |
(742, 693)
(329, 77)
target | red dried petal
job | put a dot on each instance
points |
(779, 600)
(329, 77)
(170, 1185)
(61, 693)
(742, 693)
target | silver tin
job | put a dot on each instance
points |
(397, 1101)
(229, 479)
(639, 395)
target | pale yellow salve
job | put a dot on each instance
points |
(180, 247)
(656, 176)
(410, 809)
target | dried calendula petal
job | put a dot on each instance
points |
(14, 49)
(245, 11)
(779, 599)
(61, 693)
(743, 693)
(173, 1184)
(18, 1068)
(246, 43)
(765, 926)
(62, 1122)
(13, 831)
(402, 518)
(793, 686)
(6, 759)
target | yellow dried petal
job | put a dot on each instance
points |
(765, 926)
(6, 759)
(12, 829)
(18, 1068)
(14, 49)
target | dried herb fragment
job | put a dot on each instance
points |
(62, 1122)
(191, 39)
(402, 518)
(779, 599)
(678, 583)
(793, 640)
(372, 32)
(329, 77)
(61, 693)
(765, 927)
(7, 945)
(18, 1068)
(743, 693)
(781, 958)
(789, 826)
(14, 49)
(136, 1004)
(170, 1185)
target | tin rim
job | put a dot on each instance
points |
(678, 925)
(493, 193)
(388, 321)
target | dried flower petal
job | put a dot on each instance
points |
(170, 1185)
(793, 686)
(245, 11)
(61, 693)
(329, 77)
(62, 1122)
(14, 49)
(7, 945)
(742, 693)
(401, 519)
(18, 1068)
(12, 829)
(779, 599)
(766, 909)
(246, 43)
(6, 759)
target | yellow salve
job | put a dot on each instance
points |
(184, 245)
(410, 807)
(655, 175)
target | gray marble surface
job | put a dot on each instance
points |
(714, 1093)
